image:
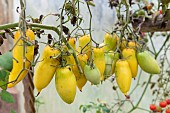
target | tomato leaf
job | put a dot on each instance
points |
(84, 109)
(105, 109)
(13, 111)
(4, 79)
(3, 83)
(6, 96)
(3, 74)
(6, 61)
(80, 107)
(98, 111)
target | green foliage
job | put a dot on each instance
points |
(4, 79)
(6, 61)
(38, 103)
(5, 68)
(100, 107)
(6, 96)
(12, 111)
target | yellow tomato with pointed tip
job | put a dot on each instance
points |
(65, 83)
(123, 75)
(18, 72)
(46, 68)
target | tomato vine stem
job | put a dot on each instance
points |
(45, 27)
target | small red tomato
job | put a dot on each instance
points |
(167, 110)
(152, 107)
(160, 11)
(162, 104)
(168, 101)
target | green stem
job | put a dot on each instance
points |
(141, 95)
(61, 37)
(143, 109)
(167, 38)
(7, 26)
(23, 28)
(137, 84)
(152, 44)
(90, 25)
(144, 90)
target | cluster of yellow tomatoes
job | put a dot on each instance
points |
(114, 55)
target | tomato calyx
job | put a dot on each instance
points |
(158, 109)
(91, 64)
(127, 96)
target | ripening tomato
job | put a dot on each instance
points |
(92, 74)
(110, 42)
(99, 60)
(17, 74)
(168, 101)
(149, 7)
(167, 111)
(84, 43)
(152, 107)
(148, 63)
(65, 82)
(160, 11)
(130, 55)
(123, 75)
(163, 104)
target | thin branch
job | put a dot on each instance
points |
(45, 27)
(147, 25)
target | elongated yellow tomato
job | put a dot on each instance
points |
(65, 83)
(46, 68)
(130, 55)
(133, 45)
(148, 63)
(99, 60)
(18, 73)
(72, 42)
(123, 75)
(85, 42)
(80, 78)
(110, 42)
